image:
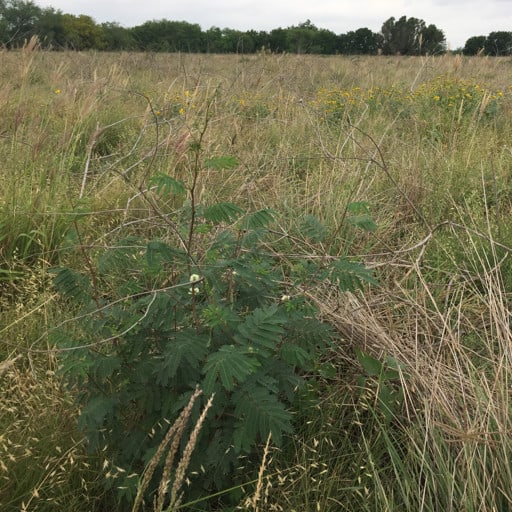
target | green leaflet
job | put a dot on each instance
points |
(258, 219)
(186, 350)
(359, 216)
(350, 275)
(72, 284)
(222, 212)
(312, 228)
(260, 413)
(262, 329)
(229, 364)
(167, 185)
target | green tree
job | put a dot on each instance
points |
(260, 39)
(235, 41)
(213, 40)
(82, 33)
(168, 36)
(360, 42)
(302, 38)
(226, 40)
(117, 37)
(393, 38)
(18, 21)
(498, 43)
(432, 41)
(474, 45)
(3, 22)
(277, 40)
(326, 42)
(411, 36)
(50, 29)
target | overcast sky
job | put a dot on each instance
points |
(458, 19)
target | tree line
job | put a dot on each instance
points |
(22, 19)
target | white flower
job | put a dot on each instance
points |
(194, 277)
(285, 298)
(193, 290)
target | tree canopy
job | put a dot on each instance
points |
(495, 44)
(498, 43)
(474, 45)
(411, 36)
(22, 19)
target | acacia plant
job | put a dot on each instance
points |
(219, 301)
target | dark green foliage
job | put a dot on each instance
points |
(165, 184)
(359, 216)
(168, 36)
(498, 43)
(222, 212)
(157, 321)
(360, 42)
(258, 219)
(411, 36)
(72, 284)
(474, 45)
(20, 20)
(313, 229)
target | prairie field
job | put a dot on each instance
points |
(400, 164)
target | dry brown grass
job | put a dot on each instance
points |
(453, 338)
(44, 463)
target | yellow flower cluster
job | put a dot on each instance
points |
(443, 92)
(453, 92)
(176, 104)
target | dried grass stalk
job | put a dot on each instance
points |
(175, 430)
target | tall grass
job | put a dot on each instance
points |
(446, 449)
(81, 135)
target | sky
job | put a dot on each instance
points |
(458, 19)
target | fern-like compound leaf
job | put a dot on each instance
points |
(167, 185)
(229, 364)
(262, 329)
(185, 352)
(258, 219)
(260, 413)
(72, 284)
(313, 228)
(222, 212)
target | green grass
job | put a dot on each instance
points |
(83, 133)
